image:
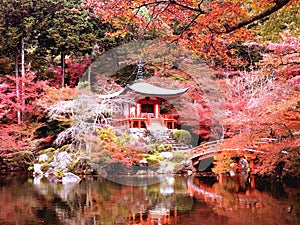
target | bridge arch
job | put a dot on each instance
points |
(209, 150)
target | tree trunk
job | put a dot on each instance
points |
(62, 58)
(23, 75)
(17, 87)
(89, 75)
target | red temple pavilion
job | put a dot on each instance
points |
(144, 111)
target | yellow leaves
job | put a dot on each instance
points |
(117, 34)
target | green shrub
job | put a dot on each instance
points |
(160, 147)
(124, 139)
(107, 135)
(178, 157)
(182, 136)
(153, 159)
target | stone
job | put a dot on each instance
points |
(70, 178)
(167, 155)
(189, 172)
(37, 169)
(60, 161)
(169, 169)
(43, 158)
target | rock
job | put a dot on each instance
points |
(189, 172)
(166, 169)
(167, 155)
(70, 178)
(167, 190)
(143, 163)
(186, 163)
(37, 169)
(101, 172)
(60, 161)
(43, 158)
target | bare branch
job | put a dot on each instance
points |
(278, 5)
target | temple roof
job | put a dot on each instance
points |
(146, 89)
(149, 89)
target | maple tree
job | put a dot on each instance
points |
(206, 27)
(263, 108)
(74, 70)
(16, 138)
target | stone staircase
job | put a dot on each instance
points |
(157, 128)
(161, 132)
(168, 137)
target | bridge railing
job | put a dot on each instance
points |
(213, 146)
(205, 147)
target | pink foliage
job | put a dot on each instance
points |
(11, 102)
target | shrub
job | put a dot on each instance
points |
(107, 135)
(182, 136)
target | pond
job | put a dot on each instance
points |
(185, 200)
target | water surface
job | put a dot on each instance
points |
(172, 200)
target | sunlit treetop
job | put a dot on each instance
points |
(204, 26)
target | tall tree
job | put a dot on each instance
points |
(67, 28)
(17, 24)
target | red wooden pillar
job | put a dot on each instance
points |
(131, 123)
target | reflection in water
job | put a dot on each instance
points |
(174, 200)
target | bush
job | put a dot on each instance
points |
(153, 159)
(107, 135)
(182, 136)
(160, 147)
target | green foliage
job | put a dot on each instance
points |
(59, 173)
(178, 157)
(67, 28)
(65, 148)
(107, 135)
(182, 136)
(160, 147)
(287, 19)
(45, 167)
(153, 158)
(184, 203)
(124, 139)
(48, 151)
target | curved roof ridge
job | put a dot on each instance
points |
(150, 89)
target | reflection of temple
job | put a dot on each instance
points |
(162, 208)
(156, 216)
(145, 110)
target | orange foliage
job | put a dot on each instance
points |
(202, 26)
